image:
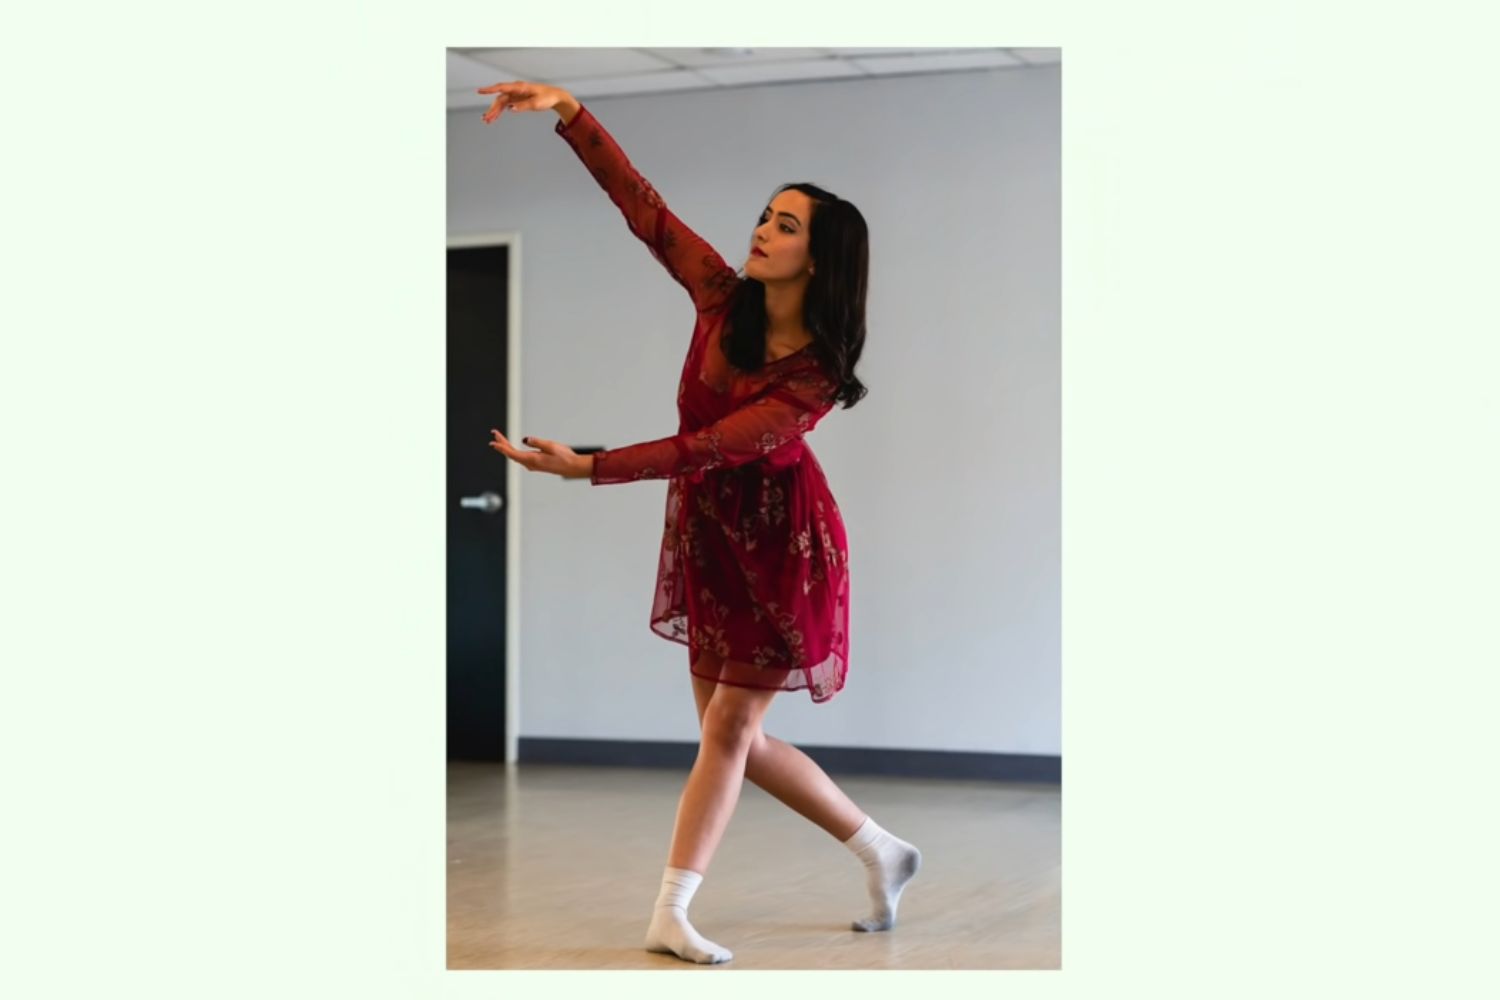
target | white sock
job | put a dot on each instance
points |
(890, 862)
(670, 930)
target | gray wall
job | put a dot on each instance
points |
(947, 473)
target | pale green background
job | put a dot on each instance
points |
(223, 413)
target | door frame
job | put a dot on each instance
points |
(512, 666)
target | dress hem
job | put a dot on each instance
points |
(810, 688)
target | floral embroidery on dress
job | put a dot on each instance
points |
(764, 656)
(711, 437)
(772, 502)
(709, 511)
(786, 624)
(801, 544)
(720, 279)
(813, 578)
(688, 542)
(707, 636)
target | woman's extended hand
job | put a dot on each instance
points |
(518, 95)
(558, 459)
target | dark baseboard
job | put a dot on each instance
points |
(1043, 769)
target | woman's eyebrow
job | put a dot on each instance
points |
(789, 215)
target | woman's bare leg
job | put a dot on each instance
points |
(787, 773)
(729, 725)
(796, 780)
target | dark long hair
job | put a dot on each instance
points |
(834, 307)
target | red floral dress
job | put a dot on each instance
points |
(754, 563)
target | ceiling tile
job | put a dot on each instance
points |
(466, 73)
(545, 65)
(722, 57)
(780, 72)
(936, 63)
(613, 72)
(876, 52)
(1039, 55)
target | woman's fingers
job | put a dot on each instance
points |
(518, 95)
(503, 446)
(536, 461)
(497, 107)
(522, 458)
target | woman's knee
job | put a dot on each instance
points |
(731, 722)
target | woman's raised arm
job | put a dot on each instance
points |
(688, 258)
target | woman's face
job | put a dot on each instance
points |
(782, 236)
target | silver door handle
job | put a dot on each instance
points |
(487, 502)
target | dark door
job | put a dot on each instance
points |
(478, 293)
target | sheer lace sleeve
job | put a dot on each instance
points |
(688, 258)
(788, 410)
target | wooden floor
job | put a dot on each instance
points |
(557, 867)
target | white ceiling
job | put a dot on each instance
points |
(589, 73)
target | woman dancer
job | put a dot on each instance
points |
(753, 575)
